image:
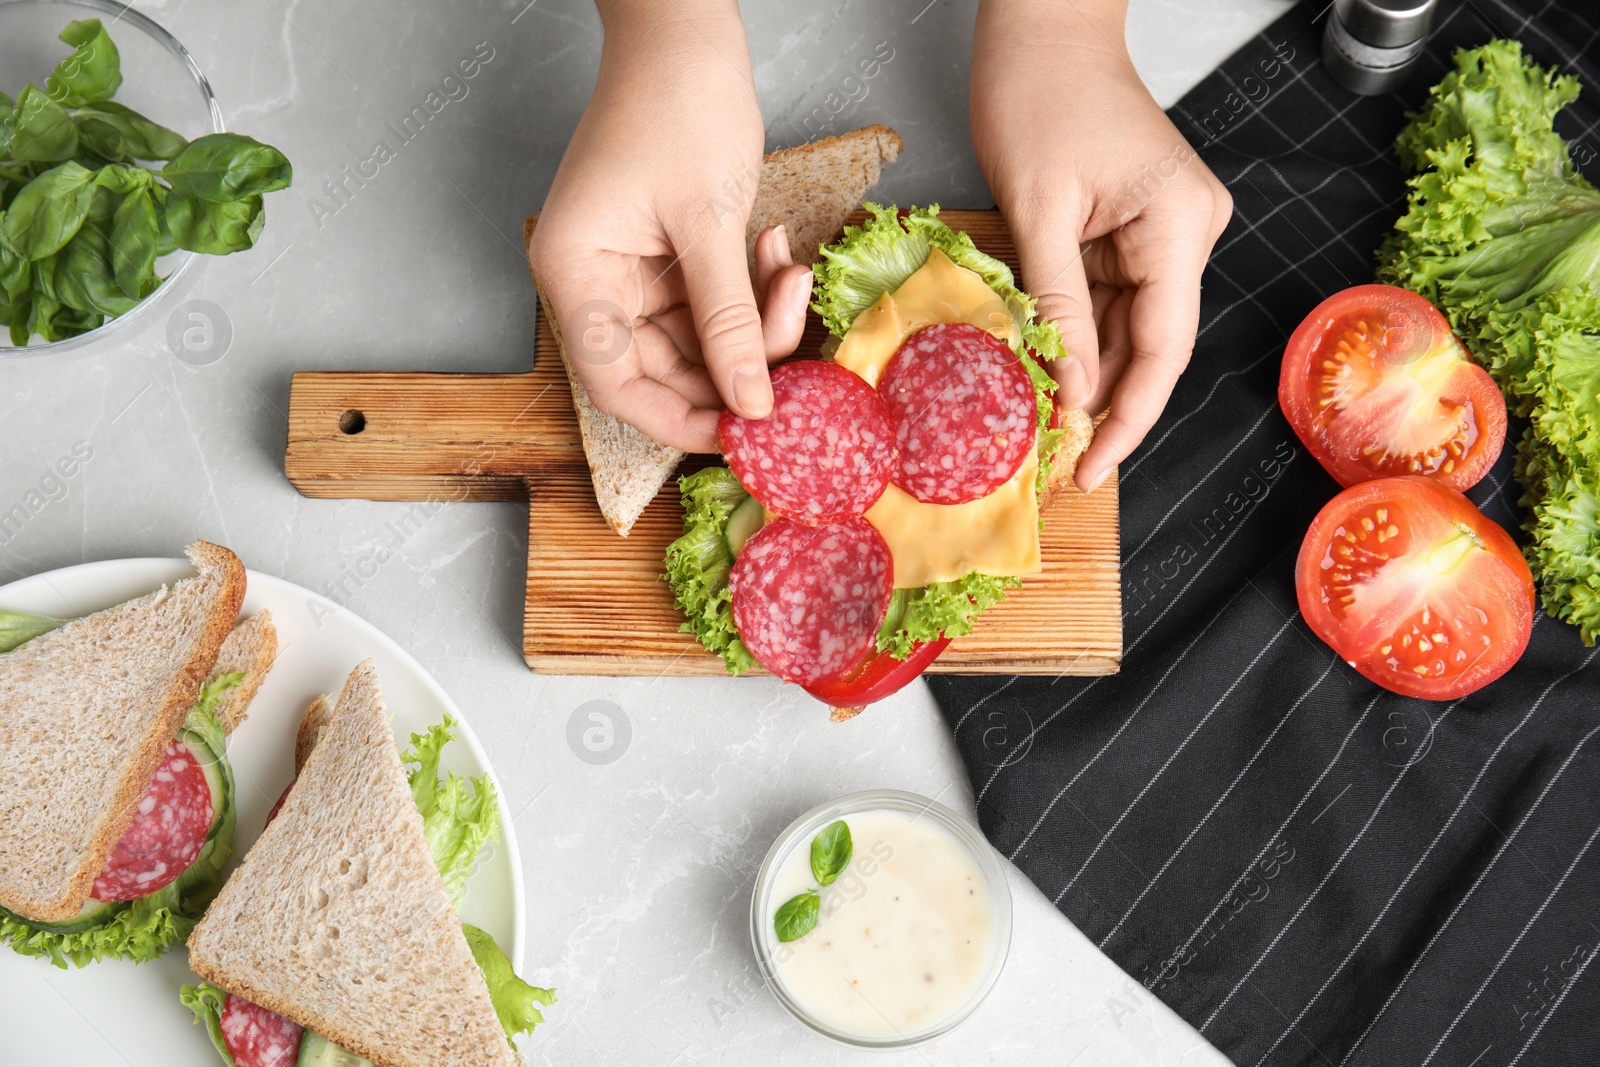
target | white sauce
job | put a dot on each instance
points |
(903, 936)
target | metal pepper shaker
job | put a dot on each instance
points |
(1370, 46)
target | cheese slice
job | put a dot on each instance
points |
(997, 534)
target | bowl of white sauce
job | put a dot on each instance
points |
(888, 932)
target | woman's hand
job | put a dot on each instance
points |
(1114, 215)
(640, 247)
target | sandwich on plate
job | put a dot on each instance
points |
(337, 942)
(895, 491)
(116, 797)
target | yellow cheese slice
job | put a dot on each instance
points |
(996, 535)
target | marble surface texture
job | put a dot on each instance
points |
(639, 871)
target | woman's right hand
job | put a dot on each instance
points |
(640, 247)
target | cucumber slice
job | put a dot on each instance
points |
(318, 1051)
(214, 765)
(93, 913)
(745, 520)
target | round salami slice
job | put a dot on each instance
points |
(825, 452)
(964, 413)
(808, 600)
(169, 828)
(257, 1037)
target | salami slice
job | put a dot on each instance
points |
(257, 1037)
(964, 413)
(808, 600)
(825, 452)
(168, 830)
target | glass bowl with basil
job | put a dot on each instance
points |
(116, 172)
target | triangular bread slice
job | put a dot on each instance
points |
(86, 713)
(811, 188)
(250, 649)
(338, 919)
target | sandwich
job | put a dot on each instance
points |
(337, 940)
(895, 492)
(116, 796)
(813, 188)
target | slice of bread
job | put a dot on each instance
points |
(86, 713)
(250, 649)
(312, 724)
(811, 188)
(338, 919)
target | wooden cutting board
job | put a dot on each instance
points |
(595, 603)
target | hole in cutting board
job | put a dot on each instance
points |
(352, 421)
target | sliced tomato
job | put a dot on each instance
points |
(1376, 385)
(877, 676)
(1415, 588)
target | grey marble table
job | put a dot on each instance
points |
(638, 871)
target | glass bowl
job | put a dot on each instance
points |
(160, 79)
(763, 905)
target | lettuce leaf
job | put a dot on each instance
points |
(207, 1002)
(144, 929)
(17, 627)
(1503, 233)
(947, 608)
(698, 564)
(514, 1000)
(459, 815)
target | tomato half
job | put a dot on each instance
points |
(1415, 588)
(1376, 385)
(877, 676)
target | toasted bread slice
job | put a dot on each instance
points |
(249, 649)
(338, 919)
(812, 188)
(86, 713)
(1079, 432)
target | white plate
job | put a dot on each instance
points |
(117, 1012)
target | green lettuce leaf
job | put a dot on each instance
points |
(459, 815)
(1503, 233)
(17, 628)
(947, 608)
(144, 929)
(515, 1001)
(698, 564)
(206, 1001)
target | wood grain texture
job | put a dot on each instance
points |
(595, 601)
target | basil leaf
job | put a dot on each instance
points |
(141, 138)
(42, 130)
(222, 167)
(42, 311)
(92, 72)
(134, 236)
(798, 916)
(215, 229)
(48, 211)
(13, 270)
(70, 322)
(21, 314)
(830, 852)
(101, 137)
(84, 279)
(120, 179)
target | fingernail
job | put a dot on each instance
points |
(781, 235)
(802, 294)
(1097, 480)
(752, 392)
(1074, 382)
